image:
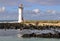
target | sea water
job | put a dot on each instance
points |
(27, 39)
(11, 35)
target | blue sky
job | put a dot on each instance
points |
(33, 9)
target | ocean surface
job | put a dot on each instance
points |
(12, 35)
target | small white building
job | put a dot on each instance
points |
(20, 10)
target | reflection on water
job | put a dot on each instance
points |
(10, 32)
(13, 32)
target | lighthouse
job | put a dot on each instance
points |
(20, 15)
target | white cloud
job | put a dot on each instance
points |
(2, 9)
(36, 10)
(51, 11)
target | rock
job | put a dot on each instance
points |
(47, 35)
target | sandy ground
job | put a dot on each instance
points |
(54, 24)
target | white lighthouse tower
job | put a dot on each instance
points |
(20, 17)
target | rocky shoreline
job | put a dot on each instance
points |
(48, 35)
(45, 31)
(41, 33)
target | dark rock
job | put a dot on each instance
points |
(47, 35)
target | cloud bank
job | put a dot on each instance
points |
(26, 2)
(45, 2)
(9, 2)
